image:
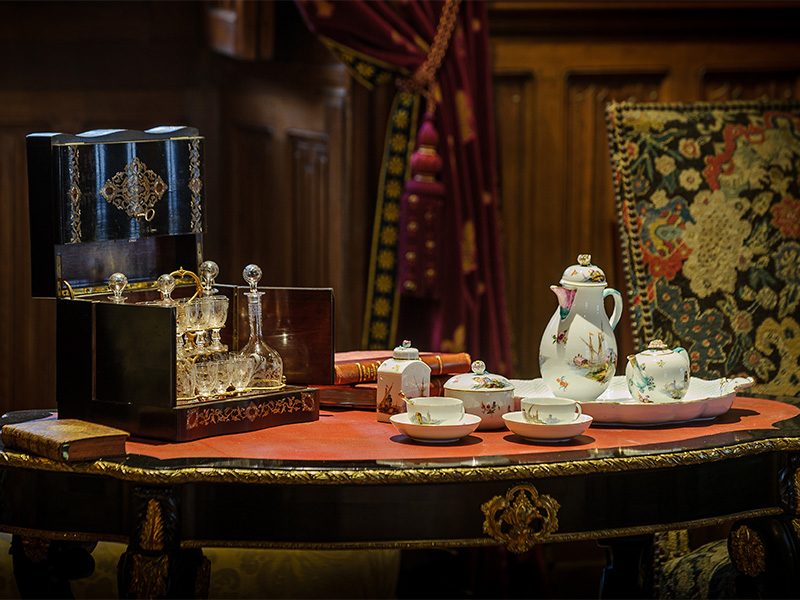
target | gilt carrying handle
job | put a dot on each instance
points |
(181, 273)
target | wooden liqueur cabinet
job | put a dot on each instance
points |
(132, 202)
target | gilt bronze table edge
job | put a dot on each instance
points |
(402, 475)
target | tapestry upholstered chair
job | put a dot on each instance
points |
(708, 199)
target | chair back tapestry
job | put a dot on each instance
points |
(708, 201)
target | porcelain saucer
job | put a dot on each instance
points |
(435, 433)
(560, 432)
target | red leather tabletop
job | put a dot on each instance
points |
(349, 435)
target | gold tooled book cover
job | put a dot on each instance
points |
(65, 439)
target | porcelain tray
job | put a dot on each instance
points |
(435, 433)
(705, 399)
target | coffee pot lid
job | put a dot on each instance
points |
(584, 273)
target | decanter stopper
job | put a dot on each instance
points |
(252, 275)
(165, 284)
(117, 283)
(208, 273)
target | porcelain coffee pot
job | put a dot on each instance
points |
(578, 351)
(658, 374)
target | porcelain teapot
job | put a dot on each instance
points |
(578, 351)
(658, 374)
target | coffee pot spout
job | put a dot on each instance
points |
(566, 297)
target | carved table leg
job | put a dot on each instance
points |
(154, 565)
(44, 568)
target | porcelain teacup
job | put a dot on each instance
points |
(550, 410)
(435, 410)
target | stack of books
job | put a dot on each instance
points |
(356, 375)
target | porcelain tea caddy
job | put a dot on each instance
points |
(400, 377)
(658, 374)
(485, 395)
(578, 351)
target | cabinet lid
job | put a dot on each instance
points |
(111, 198)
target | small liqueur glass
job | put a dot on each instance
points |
(198, 315)
(117, 282)
(206, 375)
(242, 372)
(185, 383)
(225, 374)
(218, 306)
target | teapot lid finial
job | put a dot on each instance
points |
(657, 345)
(584, 260)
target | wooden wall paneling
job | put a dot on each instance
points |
(719, 86)
(514, 104)
(293, 211)
(309, 199)
(27, 327)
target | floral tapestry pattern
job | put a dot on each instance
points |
(708, 196)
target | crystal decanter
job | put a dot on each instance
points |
(268, 373)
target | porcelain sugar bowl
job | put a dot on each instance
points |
(658, 374)
(485, 395)
(578, 351)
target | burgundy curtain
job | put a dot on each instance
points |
(439, 281)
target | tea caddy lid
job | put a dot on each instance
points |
(584, 273)
(405, 352)
(478, 379)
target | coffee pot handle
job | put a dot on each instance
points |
(617, 312)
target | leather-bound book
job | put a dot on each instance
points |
(361, 366)
(65, 439)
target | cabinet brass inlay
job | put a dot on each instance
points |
(747, 551)
(135, 190)
(204, 417)
(195, 185)
(74, 196)
(521, 519)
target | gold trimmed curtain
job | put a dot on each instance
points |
(436, 274)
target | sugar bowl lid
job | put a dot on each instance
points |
(584, 273)
(478, 379)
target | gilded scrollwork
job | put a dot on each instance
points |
(747, 551)
(136, 190)
(522, 518)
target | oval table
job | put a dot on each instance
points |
(348, 481)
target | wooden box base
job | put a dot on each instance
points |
(292, 404)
